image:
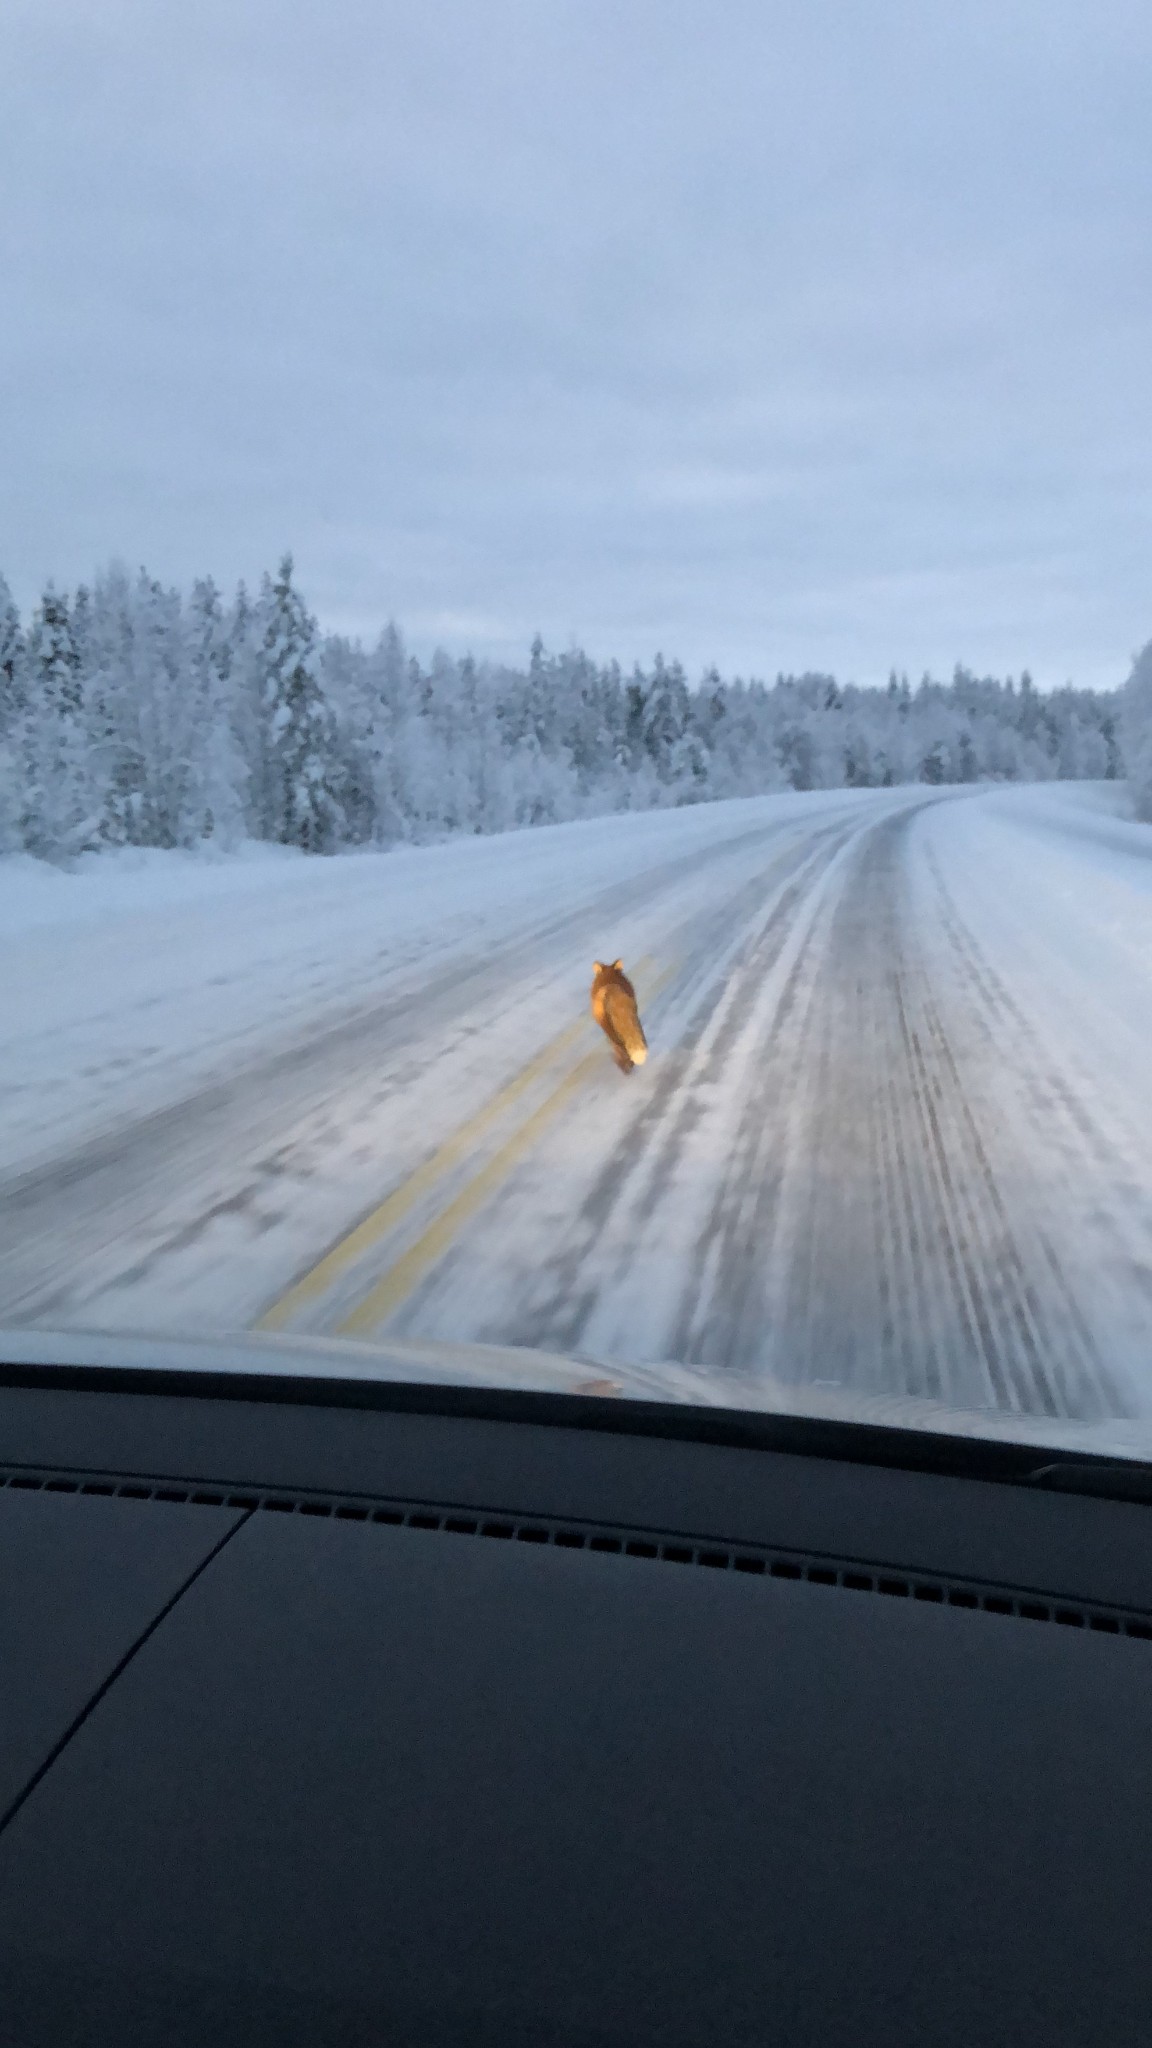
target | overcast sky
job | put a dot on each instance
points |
(775, 333)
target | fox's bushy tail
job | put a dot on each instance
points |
(620, 1010)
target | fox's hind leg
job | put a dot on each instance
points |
(621, 1058)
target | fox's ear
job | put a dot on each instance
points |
(597, 967)
(618, 963)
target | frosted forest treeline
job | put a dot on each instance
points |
(134, 714)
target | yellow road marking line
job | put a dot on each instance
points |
(398, 1282)
(403, 1199)
(397, 1205)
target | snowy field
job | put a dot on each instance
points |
(895, 1132)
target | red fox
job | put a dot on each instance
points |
(614, 1008)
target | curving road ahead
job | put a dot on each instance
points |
(891, 1134)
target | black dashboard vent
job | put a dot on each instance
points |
(654, 1546)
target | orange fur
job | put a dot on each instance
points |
(614, 1008)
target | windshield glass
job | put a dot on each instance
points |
(652, 896)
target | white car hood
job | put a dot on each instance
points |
(497, 1366)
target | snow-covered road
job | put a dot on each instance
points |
(895, 1132)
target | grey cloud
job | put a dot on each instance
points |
(783, 334)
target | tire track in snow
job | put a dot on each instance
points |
(902, 1266)
(857, 1230)
(626, 1192)
(1064, 1138)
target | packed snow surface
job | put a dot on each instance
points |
(894, 1134)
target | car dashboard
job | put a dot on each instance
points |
(335, 1712)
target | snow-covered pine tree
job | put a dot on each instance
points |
(110, 710)
(965, 766)
(385, 685)
(933, 766)
(416, 755)
(666, 723)
(159, 718)
(81, 619)
(52, 744)
(298, 789)
(11, 661)
(858, 768)
(247, 716)
(343, 676)
(538, 700)
(215, 798)
(11, 709)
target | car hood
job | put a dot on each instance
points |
(513, 1368)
